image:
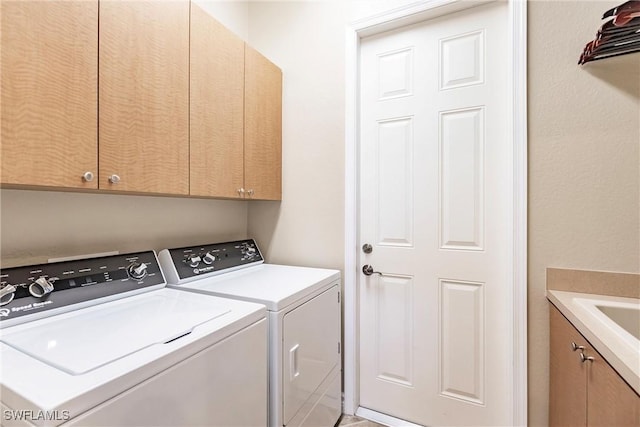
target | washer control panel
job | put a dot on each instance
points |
(38, 288)
(194, 261)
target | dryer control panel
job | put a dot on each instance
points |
(40, 288)
(183, 264)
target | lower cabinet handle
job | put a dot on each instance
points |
(575, 347)
(584, 358)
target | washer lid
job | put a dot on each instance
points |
(86, 341)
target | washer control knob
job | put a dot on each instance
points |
(6, 294)
(193, 260)
(41, 287)
(137, 270)
(208, 258)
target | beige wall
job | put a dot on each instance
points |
(584, 173)
(37, 225)
(306, 40)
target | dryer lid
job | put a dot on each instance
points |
(87, 340)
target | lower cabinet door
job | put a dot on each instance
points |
(567, 375)
(610, 400)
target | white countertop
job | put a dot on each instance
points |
(617, 346)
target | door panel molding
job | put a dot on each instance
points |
(517, 32)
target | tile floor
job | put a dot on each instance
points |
(353, 421)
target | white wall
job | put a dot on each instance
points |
(307, 40)
(37, 225)
(232, 14)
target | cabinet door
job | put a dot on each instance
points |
(263, 127)
(217, 112)
(49, 92)
(611, 402)
(567, 375)
(144, 95)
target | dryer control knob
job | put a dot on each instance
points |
(208, 258)
(137, 270)
(193, 260)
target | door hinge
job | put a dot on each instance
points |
(338, 347)
(338, 297)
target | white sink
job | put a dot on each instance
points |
(628, 318)
(622, 318)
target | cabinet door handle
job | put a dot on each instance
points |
(250, 193)
(88, 176)
(241, 192)
(584, 358)
(114, 179)
(575, 347)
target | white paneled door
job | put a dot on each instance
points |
(434, 205)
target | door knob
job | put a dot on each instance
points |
(368, 270)
(367, 248)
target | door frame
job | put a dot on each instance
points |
(517, 33)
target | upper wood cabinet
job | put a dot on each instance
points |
(236, 115)
(144, 96)
(49, 93)
(584, 390)
(263, 127)
(217, 108)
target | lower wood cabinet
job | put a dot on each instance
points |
(584, 390)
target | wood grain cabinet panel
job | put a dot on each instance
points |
(567, 375)
(263, 127)
(585, 393)
(611, 402)
(216, 108)
(144, 96)
(49, 93)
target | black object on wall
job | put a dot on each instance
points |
(619, 35)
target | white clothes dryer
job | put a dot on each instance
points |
(304, 322)
(102, 342)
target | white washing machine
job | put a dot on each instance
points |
(304, 322)
(103, 342)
